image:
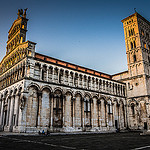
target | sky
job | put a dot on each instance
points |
(88, 33)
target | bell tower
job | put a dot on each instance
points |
(17, 32)
(137, 40)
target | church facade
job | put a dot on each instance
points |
(40, 92)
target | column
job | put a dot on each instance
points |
(98, 113)
(57, 75)
(51, 109)
(47, 74)
(95, 113)
(118, 115)
(69, 77)
(40, 72)
(91, 111)
(74, 108)
(103, 113)
(64, 109)
(52, 80)
(11, 112)
(0, 105)
(73, 81)
(106, 114)
(17, 110)
(97, 87)
(2, 112)
(39, 107)
(113, 114)
(82, 110)
(100, 85)
(8, 111)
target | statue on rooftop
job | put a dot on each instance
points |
(22, 13)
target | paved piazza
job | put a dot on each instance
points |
(111, 141)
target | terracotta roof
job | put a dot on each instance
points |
(71, 66)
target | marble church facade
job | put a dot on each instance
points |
(40, 92)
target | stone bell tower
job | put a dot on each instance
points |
(17, 32)
(137, 40)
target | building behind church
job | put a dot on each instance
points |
(40, 92)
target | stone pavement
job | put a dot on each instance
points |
(84, 141)
(4, 133)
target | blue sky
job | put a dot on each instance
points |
(84, 32)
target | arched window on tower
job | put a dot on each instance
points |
(129, 33)
(134, 58)
(133, 33)
(134, 44)
(131, 45)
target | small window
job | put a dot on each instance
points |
(23, 26)
(144, 44)
(132, 32)
(134, 58)
(131, 45)
(134, 44)
(129, 33)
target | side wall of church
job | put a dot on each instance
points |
(58, 98)
(55, 98)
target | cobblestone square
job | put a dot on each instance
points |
(109, 141)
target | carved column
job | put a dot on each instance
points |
(118, 115)
(39, 105)
(0, 106)
(11, 112)
(73, 81)
(51, 109)
(64, 109)
(110, 86)
(2, 112)
(106, 114)
(57, 76)
(22, 110)
(82, 110)
(113, 114)
(47, 73)
(103, 113)
(97, 83)
(40, 72)
(53, 75)
(73, 111)
(98, 113)
(8, 111)
(16, 109)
